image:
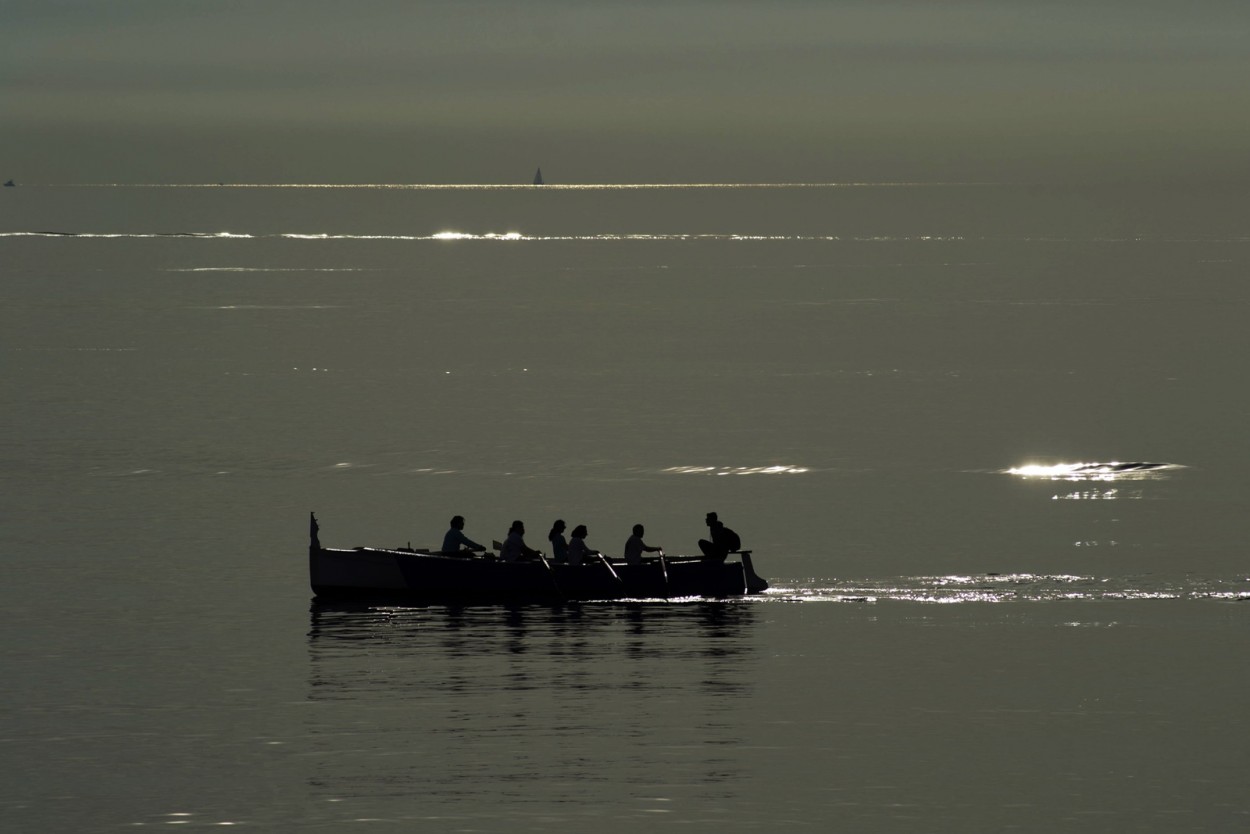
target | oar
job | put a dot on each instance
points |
(611, 569)
(664, 570)
(550, 570)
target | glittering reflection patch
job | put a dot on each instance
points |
(1014, 587)
(1110, 471)
(779, 469)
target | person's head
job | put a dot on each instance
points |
(556, 529)
(517, 527)
(710, 520)
(579, 532)
(457, 522)
(638, 531)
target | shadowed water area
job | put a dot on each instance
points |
(985, 440)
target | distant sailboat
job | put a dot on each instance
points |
(9, 184)
(538, 177)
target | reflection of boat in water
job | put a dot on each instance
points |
(405, 575)
(489, 713)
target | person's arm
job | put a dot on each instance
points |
(462, 540)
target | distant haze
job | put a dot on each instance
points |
(389, 91)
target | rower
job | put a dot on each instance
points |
(579, 551)
(724, 541)
(514, 547)
(455, 539)
(635, 547)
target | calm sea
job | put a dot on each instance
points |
(857, 377)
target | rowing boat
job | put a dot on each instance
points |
(425, 576)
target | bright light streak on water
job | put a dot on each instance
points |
(1111, 471)
(264, 269)
(523, 186)
(1091, 495)
(449, 235)
(737, 470)
(1023, 587)
(468, 236)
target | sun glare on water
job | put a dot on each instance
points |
(1109, 471)
(738, 470)
(1037, 470)
(449, 235)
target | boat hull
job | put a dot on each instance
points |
(402, 576)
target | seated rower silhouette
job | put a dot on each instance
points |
(724, 541)
(635, 547)
(559, 547)
(579, 551)
(456, 539)
(514, 547)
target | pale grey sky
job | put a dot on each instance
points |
(388, 91)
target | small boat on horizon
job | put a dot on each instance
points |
(424, 576)
(538, 177)
(9, 184)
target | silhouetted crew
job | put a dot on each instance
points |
(455, 538)
(579, 551)
(559, 547)
(635, 547)
(724, 541)
(514, 548)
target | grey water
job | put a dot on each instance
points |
(912, 401)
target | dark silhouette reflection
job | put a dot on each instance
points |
(489, 711)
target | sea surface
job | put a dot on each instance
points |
(987, 441)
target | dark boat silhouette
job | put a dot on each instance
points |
(9, 184)
(404, 575)
(538, 177)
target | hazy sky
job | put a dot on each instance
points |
(470, 91)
